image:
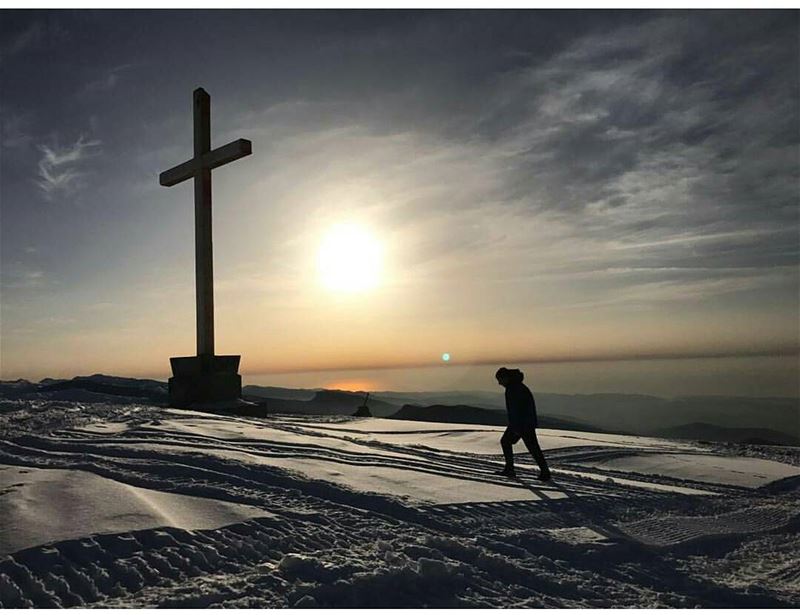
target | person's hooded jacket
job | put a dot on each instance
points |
(520, 404)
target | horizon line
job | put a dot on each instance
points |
(787, 351)
(783, 351)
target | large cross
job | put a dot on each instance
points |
(199, 168)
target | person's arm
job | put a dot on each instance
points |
(533, 409)
(516, 404)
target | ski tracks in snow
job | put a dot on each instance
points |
(590, 539)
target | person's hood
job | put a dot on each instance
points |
(515, 376)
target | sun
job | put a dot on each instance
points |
(350, 259)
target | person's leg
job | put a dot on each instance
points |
(532, 442)
(510, 437)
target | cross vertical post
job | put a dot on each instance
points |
(203, 244)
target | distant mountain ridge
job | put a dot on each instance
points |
(480, 416)
(646, 414)
(325, 402)
(271, 392)
(450, 414)
(741, 435)
(773, 420)
(96, 385)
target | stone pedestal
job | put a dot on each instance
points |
(204, 379)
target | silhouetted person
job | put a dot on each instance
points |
(521, 422)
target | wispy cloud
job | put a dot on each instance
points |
(28, 38)
(33, 36)
(61, 170)
(14, 129)
(20, 275)
(632, 148)
(106, 82)
(651, 287)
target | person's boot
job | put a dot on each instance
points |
(544, 475)
(509, 472)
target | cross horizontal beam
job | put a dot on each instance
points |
(210, 160)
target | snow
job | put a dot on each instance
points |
(320, 456)
(323, 452)
(465, 438)
(121, 505)
(103, 428)
(651, 486)
(90, 504)
(735, 471)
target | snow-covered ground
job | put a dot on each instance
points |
(42, 506)
(111, 505)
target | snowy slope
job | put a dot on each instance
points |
(43, 506)
(131, 505)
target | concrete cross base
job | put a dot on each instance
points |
(204, 379)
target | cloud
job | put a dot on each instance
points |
(19, 275)
(650, 286)
(31, 37)
(666, 143)
(106, 82)
(15, 129)
(625, 149)
(61, 171)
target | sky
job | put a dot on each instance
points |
(534, 187)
